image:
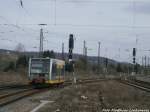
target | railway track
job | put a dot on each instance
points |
(22, 93)
(137, 84)
(84, 81)
(12, 97)
(15, 86)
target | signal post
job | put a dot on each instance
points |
(71, 63)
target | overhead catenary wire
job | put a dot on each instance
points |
(84, 25)
(91, 26)
(23, 8)
(8, 23)
(93, 1)
(88, 25)
(55, 12)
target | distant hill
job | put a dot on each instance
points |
(4, 51)
(91, 59)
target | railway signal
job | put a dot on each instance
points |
(134, 60)
(71, 63)
(134, 52)
(71, 46)
(71, 41)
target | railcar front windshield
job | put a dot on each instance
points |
(39, 66)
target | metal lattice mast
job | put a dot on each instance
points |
(98, 60)
(63, 51)
(41, 42)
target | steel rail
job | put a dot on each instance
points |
(135, 84)
(9, 98)
(12, 97)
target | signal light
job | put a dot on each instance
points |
(71, 41)
(134, 51)
(106, 62)
(134, 60)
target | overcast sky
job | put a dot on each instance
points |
(115, 23)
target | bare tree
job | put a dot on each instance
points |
(20, 48)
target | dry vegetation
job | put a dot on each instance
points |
(11, 76)
(97, 96)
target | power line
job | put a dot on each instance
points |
(25, 10)
(55, 12)
(92, 1)
(84, 25)
(72, 25)
(8, 23)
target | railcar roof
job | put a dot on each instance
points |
(48, 58)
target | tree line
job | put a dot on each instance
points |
(80, 65)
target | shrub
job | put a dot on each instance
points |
(11, 66)
(22, 61)
(48, 53)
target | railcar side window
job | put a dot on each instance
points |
(63, 70)
(54, 68)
